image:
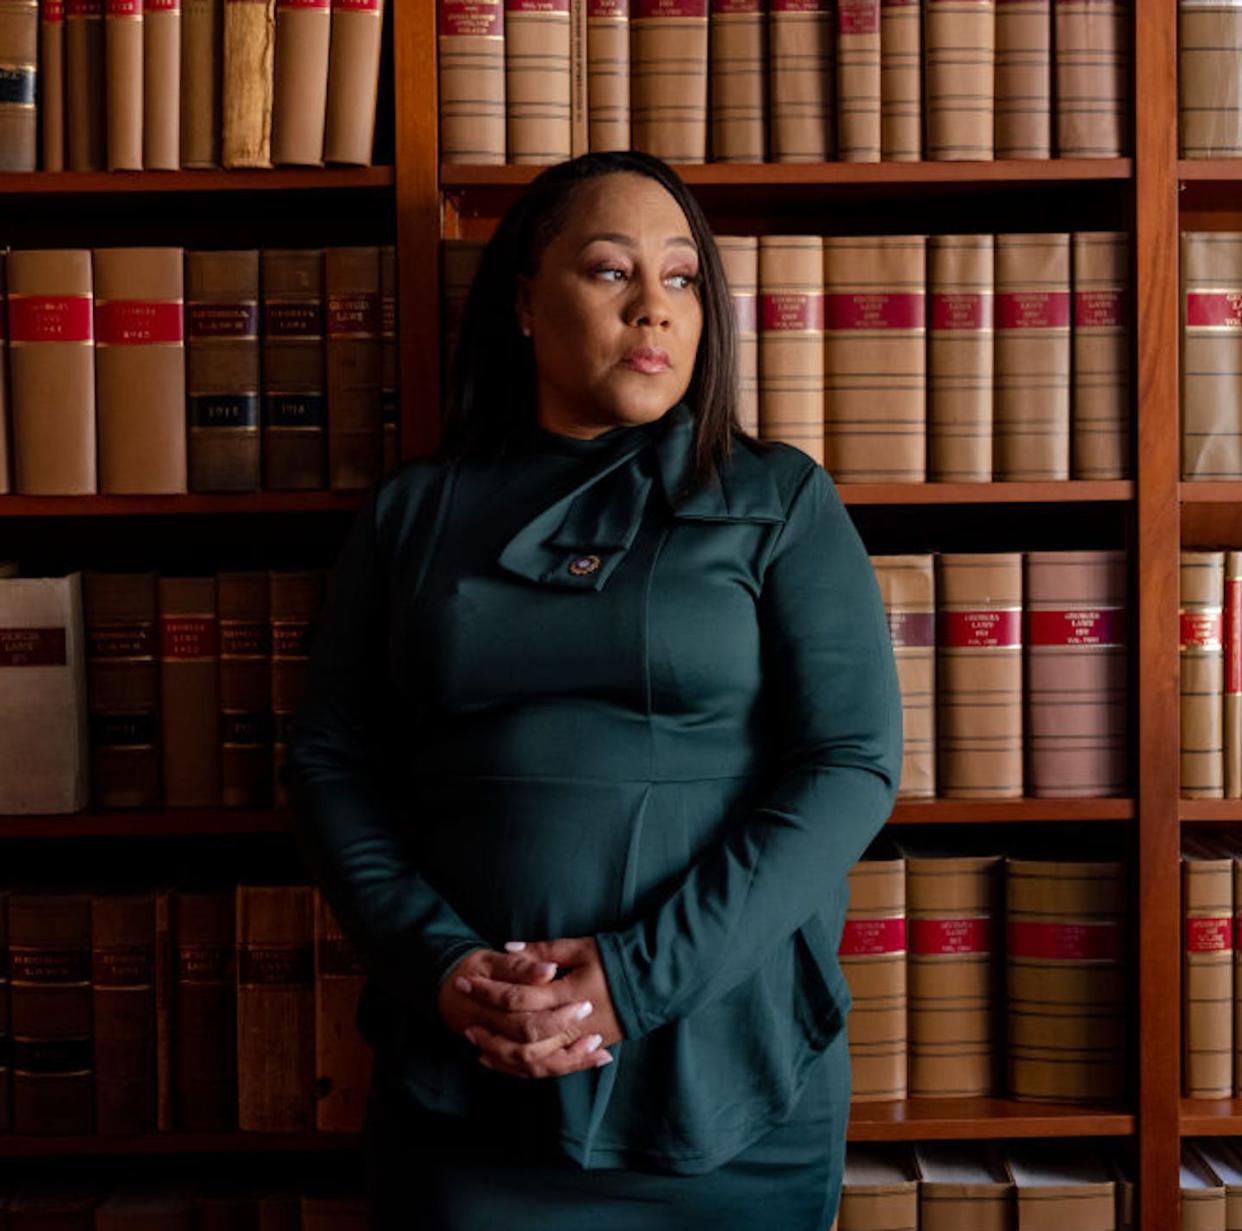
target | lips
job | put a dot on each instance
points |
(646, 359)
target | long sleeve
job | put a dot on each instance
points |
(340, 774)
(829, 663)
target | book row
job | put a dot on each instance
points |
(909, 358)
(768, 80)
(161, 370)
(128, 86)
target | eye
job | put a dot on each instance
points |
(608, 269)
(687, 280)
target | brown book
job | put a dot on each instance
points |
(875, 413)
(1092, 70)
(140, 370)
(1202, 1195)
(791, 341)
(165, 991)
(1024, 79)
(50, 1013)
(246, 90)
(202, 46)
(979, 675)
(1201, 645)
(295, 412)
(958, 57)
(1231, 681)
(6, 449)
(390, 402)
(1032, 373)
(275, 1008)
(737, 58)
(146, 1206)
(740, 257)
(901, 86)
(1207, 969)
(459, 261)
(245, 689)
(960, 358)
(880, 1189)
(86, 118)
(353, 367)
(294, 601)
(1060, 1186)
(161, 86)
(19, 55)
(6, 1033)
(222, 370)
(1100, 448)
(858, 80)
(52, 84)
(124, 83)
(353, 80)
(608, 74)
(472, 82)
(668, 79)
(205, 1011)
(189, 691)
(537, 80)
(1209, 60)
(1066, 980)
(52, 371)
(300, 107)
(801, 89)
(122, 674)
(962, 1187)
(1076, 669)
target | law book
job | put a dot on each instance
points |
(979, 675)
(1032, 374)
(1023, 107)
(740, 256)
(608, 74)
(1202, 671)
(1207, 969)
(6, 450)
(300, 81)
(390, 404)
(1225, 842)
(51, 85)
(165, 990)
(960, 350)
(143, 1205)
(19, 73)
(275, 932)
(246, 88)
(1100, 413)
(1091, 39)
(161, 85)
(459, 261)
(801, 86)
(1231, 681)
(879, 1189)
(294, 598)
(124, 84)
(959, 46)
(472, 81)
(579, 103)
(295, 410)
(1209, 103)
(85, 117)
(857, 46)
(901, 85)
(1066, 980)
(353, 367)
(962, 1187)
(1223, 1159)
(202, 47)
(245, 689)
(1202, 1195)
(353, 81)
(908, 589)
(122, 675)
(1057, 1185)
(189, 691)
(76, 1201)
(1076, 671)
(737, 58)
(875, 366)
(50, 1003)
(44, 743)
(6, 1034)
(668, 79)
(140, 370)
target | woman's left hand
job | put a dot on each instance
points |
(584, 980)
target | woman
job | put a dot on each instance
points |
(602, 709)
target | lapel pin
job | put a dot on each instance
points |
(584, 565)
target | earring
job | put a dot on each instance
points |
(526, 331)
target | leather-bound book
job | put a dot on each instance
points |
(44, 745)
(294, 600)
(162, 896)
(390, 402)
(668, 79)
(459, 261)
(123, 985)
(6, 1033)
(875, 408)
(19, 58)
(295, 408)
(301, 81)
(1201, 642)
(275, 1008)
(1060, 1186)
(901, 83)
(740, 256)
(608, 74)
(222, 370)
(537, 80)
(146, 1206)
(6, 452)
(801, 89)
(1032, 374)
(245, 689)
(1209, 61)
(1067, 980)
(140, 370)
(737, 57)
(1207, 969)
(1100, 418)
(979, 674)
(189, 691)
(122, 675)
(472, 81)
(1024, 79)
(353, 80)
(1231, 676)
(1092, 43)
(50, 1002)
(246, 97)
(908, 589)
(880, 1188)
(205, 1011)
(1076, 670)
(963, 1186)
(161, 99)
(124, 83)
(791, 341)
(202, 47)
(959, 39)
(52, 85)
(960, 358)
(353, 367)
(858, 80)
(52, 371)
(86, 132)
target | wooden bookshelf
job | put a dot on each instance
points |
(974, 1119)
(25, 185)
(177, 1144)
(192, 503)
(1211, 1117)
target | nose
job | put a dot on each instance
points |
(650, 304)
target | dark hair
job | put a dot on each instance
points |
(490, 404)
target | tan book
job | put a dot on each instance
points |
(1023, 79)
(1100, 448)
(247, 83)
(1067, 981)
(791, 341)
(1207, 969)
(740, 257)
(668, 79)
(875, 411)
(124, 47)
(959, 60)
(245, 689)
(608, 74)
(962, 1187)
(1092, 71)
(353, 367)
(737, 57)
(1060, 1186)
(858, 80)
(979, 675)
(202, 47)
(86, 118)
(189, 691)
(51, 101)
(1202, 1204)
(140, 369)
(1231, 681)
(300, 81)
(52, 371)
(161, 85)
(353, 81)
(901, 86)
(908, 588)
(19, 54)
(960, 358)
(879, 1189)
(1201, 646)
(801, 86)
(1208, 65)
(472, 81)
(579, 105)
(1222, 1157)
(294, 599)
(1225, 842)
(1032, 373)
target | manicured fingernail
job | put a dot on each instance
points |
(485, 1062)
(461, 984)
(470, 1034)
(604, 1058)
(583, 1010)
(593, 1041)
(515, 946)
(545, 968)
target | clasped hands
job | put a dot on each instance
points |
(523, 1019)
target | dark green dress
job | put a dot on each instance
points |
(555, 695)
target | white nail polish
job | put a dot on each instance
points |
(593, 1041)
(515, 946)
(461, 984)
(603, 1059)
(585, 1009)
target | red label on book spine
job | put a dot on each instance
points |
(53, 10)
(1076, 626)
(353, 316)
(1209, 934)
(1233, 634)
(124, 8)
(746, 311)
(84, 8)
(50, 318)
(670, 8)
(138, 322)
(161, 6)
(32, 647)
(325, 5)
(798, 6)
(736, 6)
(932, 937)
(1099, 309)
(965, 310)
(222, 320)
(188, 637)
(358, 6)
(127, 639)
(975, 629)
(1201, 630)
(789, 310)
(911, 629)
(1068, 942)
(536, 6)
(901, 310)
(1032, 309)
(1214, 309)
(608, 8)
(858, 16)
(862, 937)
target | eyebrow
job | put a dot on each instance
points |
(628, 240)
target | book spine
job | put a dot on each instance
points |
(1210, 110)
(801, 88)
(202, 47)
(858, 80)
(390, 403)
(737, 90)
(353, 369)
(537, 80)
(161, 99)
(353, 80)
(1207, 978)
(124, 46)
(459, 261)
(472, 81)
(579, 105)
(294, 601)
(51, 89)
(608, 74)
(1091, 42)
(245, 690)
(246, 91)
(1101, 377)
(6, 1033)
(86, 117)
(165, 1120)
(1232, 674)
(740, 257)
(19, 55)
(901, 87)
(300, 106)
(1237, 974)
(6, 455)
(1023, 79)
(668, 78)
(959, 61)
(1201, 652)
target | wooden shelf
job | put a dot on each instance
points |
(149, 823)
(189, 503)
(975, 1118)
(12, 1146)
(279, 179)
(1207, 1117)
(1217, 811)
(1210, 492)
(1209, 170)
(1009, 811)
(987, 493)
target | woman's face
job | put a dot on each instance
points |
(613, 312)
